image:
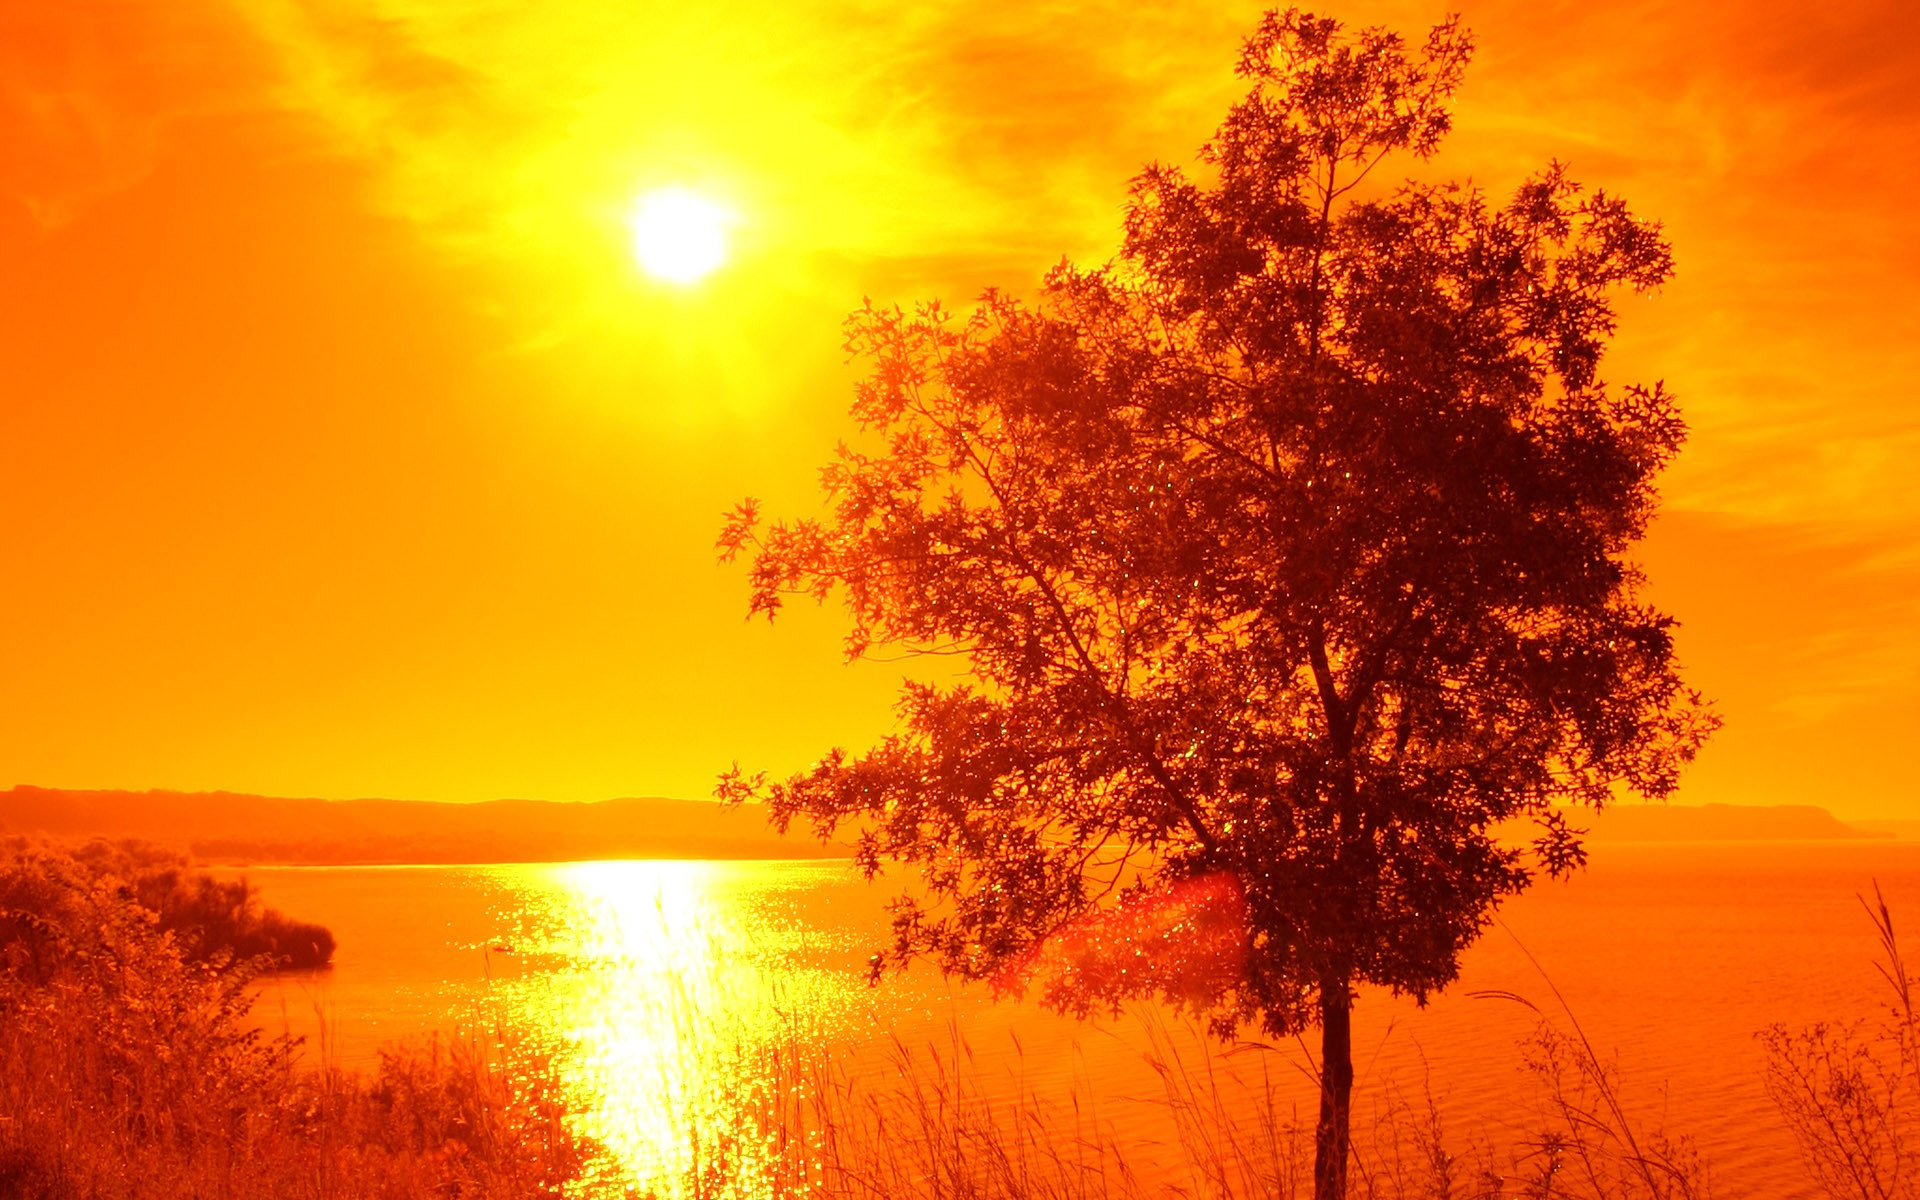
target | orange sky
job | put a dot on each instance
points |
(344, 451)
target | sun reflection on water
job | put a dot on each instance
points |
(665, 987)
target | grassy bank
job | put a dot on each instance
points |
(130, 1067)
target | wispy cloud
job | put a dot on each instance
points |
(88, 86)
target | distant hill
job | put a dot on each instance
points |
(1906, 831)
(231, 827)
(1714, 823)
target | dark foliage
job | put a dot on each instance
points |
(132, 1068)
(212, 919)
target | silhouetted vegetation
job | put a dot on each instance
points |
(748, 1114)
(1292, 549)
(130, 1067)
(211, 919)
(1851, 1092)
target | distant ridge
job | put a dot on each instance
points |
(1906, 831)
(236, 828)
(1715, 823)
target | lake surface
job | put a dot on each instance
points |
(653, 979)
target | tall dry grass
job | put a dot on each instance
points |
(132, 1069)
(1851, 1092)
(933, 1122)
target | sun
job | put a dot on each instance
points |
(678, 234)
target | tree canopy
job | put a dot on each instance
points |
(1290, 549)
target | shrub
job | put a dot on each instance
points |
(1851, 1092)
(130, 1068)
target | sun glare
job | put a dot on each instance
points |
(678, 234)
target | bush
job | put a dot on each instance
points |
(129, 1068)
(208, 916)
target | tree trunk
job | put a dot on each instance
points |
(1332, 1142)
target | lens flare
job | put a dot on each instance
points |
(679, 235)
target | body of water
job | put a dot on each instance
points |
(650, 977)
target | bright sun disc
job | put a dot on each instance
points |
(678, 234)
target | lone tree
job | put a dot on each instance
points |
(1288, 550)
